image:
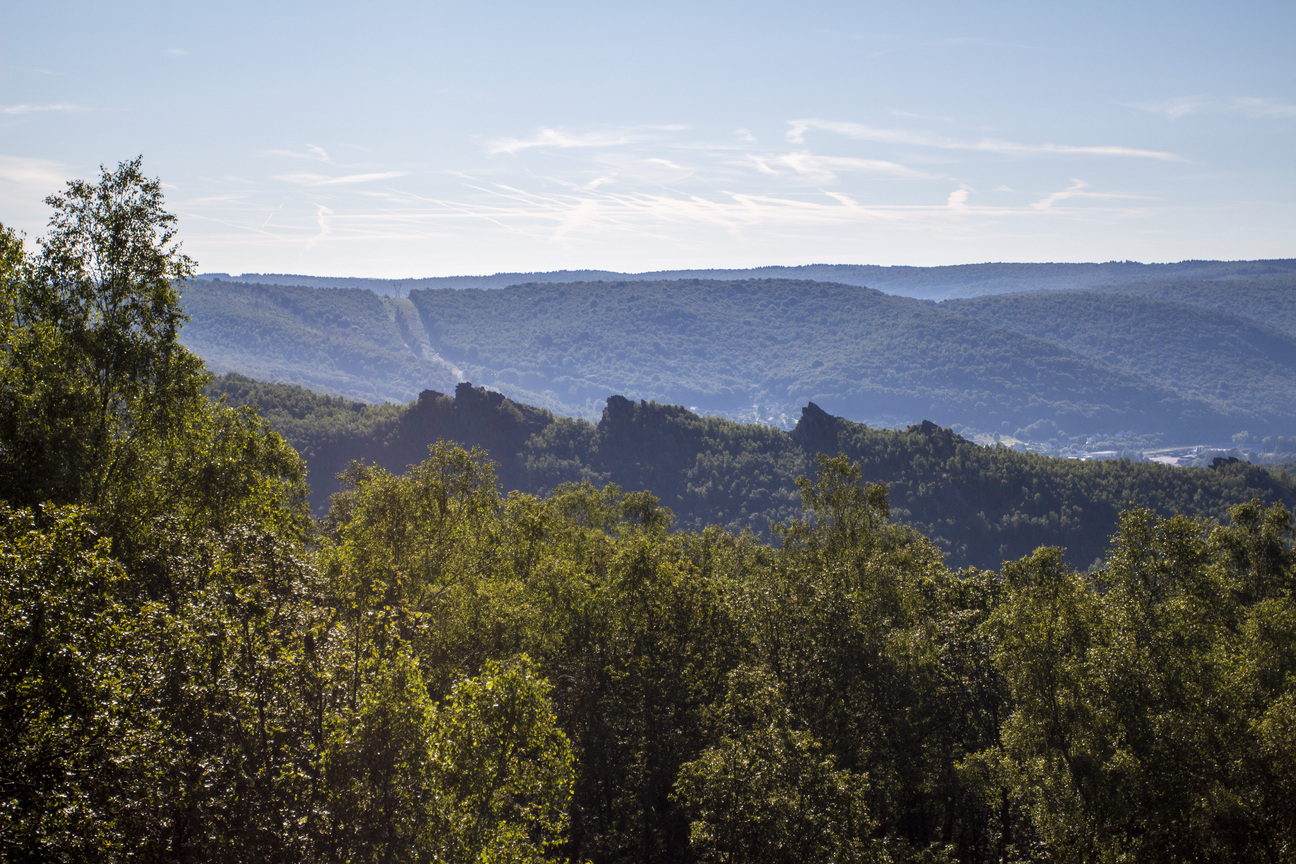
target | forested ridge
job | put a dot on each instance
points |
(1264, 298)
(192, 669)
(336, 340)
(1228, 360)
(1058, 369)
(927, 283)
(981, 505)
(780, 343)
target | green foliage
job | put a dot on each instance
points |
(502, 767)
(341, 341)
(689, 696)
(763, 348)
(849, 516)
(983, 505)
(233, 772)
(1236, 364)
(90, 371)
(959, 280)
(759, 344)
(1144, 718)
(411, 559)
(1055, 737)
(100, 366)
(69, 731)
(766, 792)
(1260, 296)
(379, 804)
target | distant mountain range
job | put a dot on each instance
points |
(928, 283)
(1182, 360)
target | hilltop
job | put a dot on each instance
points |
(982, 505)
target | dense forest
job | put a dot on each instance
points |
(778, 343)
(336, 340)
(1055, 369)
(1232, 362)
(1262, 298)
(980, 505)
(193, 669)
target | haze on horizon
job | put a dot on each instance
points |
(401, 139)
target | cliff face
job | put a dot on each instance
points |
(816, 431)
(943, 442)
(473, 417)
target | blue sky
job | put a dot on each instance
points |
(426, 139)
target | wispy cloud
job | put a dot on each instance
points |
(562, 139)
(31, 173)
(1254, 107)
(909, 115)
(535, 216)
(24, 183)
(344, 180)
(824, 169)
(1185, 106)
(1173, 109)
(314, 153)
(599, 212)
(1080, 189)
(324, 218)
(175, 52)
(39, 109)
(35, 69)
(943, 46)
(645, 187)
(857, 131)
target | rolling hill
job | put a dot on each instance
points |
(1233, 363)
(760, 349)
(982, 505)
(1269, 299)
(343, 341)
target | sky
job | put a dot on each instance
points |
(423, 139)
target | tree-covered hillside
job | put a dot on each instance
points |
(763, 348)
(341, 341)
(1038, 366)
(982, 505)
(1234, 363)
(1268, 299)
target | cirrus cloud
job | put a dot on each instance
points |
(39, 109)
(1173, 109)
(859, 132)
(562, 139)
(344, 180)
(1184, 106)
(813, 166)
(1255, 107)
(313, 153)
